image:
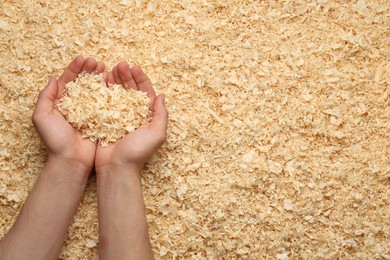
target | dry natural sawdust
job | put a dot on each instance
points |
(279, 131)
(103, 113)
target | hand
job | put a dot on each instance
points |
(63, 142)
(132, 151)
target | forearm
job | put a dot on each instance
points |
(122, 218)
(42, 224)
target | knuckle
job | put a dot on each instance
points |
(34, 118)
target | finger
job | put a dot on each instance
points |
(99, 67)
(117, 78)
(109, 77)
(89, 65)
(70, 74)
(46, 98)
(126, 76)
(160, 116)
(143, 82)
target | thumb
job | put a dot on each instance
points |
(47, 97)
(160, 115)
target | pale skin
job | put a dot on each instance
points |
(42, 224)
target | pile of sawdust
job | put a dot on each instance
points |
(103, 113)
(278, 140)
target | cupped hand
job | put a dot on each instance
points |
(132, 151)
(63, 142)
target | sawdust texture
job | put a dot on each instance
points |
(279, 132)
(103, 113)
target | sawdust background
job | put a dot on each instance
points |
(279, 137)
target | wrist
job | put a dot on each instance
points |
(68, 167)
(118, 170)
(114, 179)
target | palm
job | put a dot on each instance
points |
(135, 148)
(60, 138)
(63, 137)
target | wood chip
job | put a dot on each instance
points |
(279, 121)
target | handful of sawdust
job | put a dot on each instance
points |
(103, 113)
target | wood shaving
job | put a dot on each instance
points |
(103, 113)
(278, 139)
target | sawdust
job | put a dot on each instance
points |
(103, 113)
(279, 132)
